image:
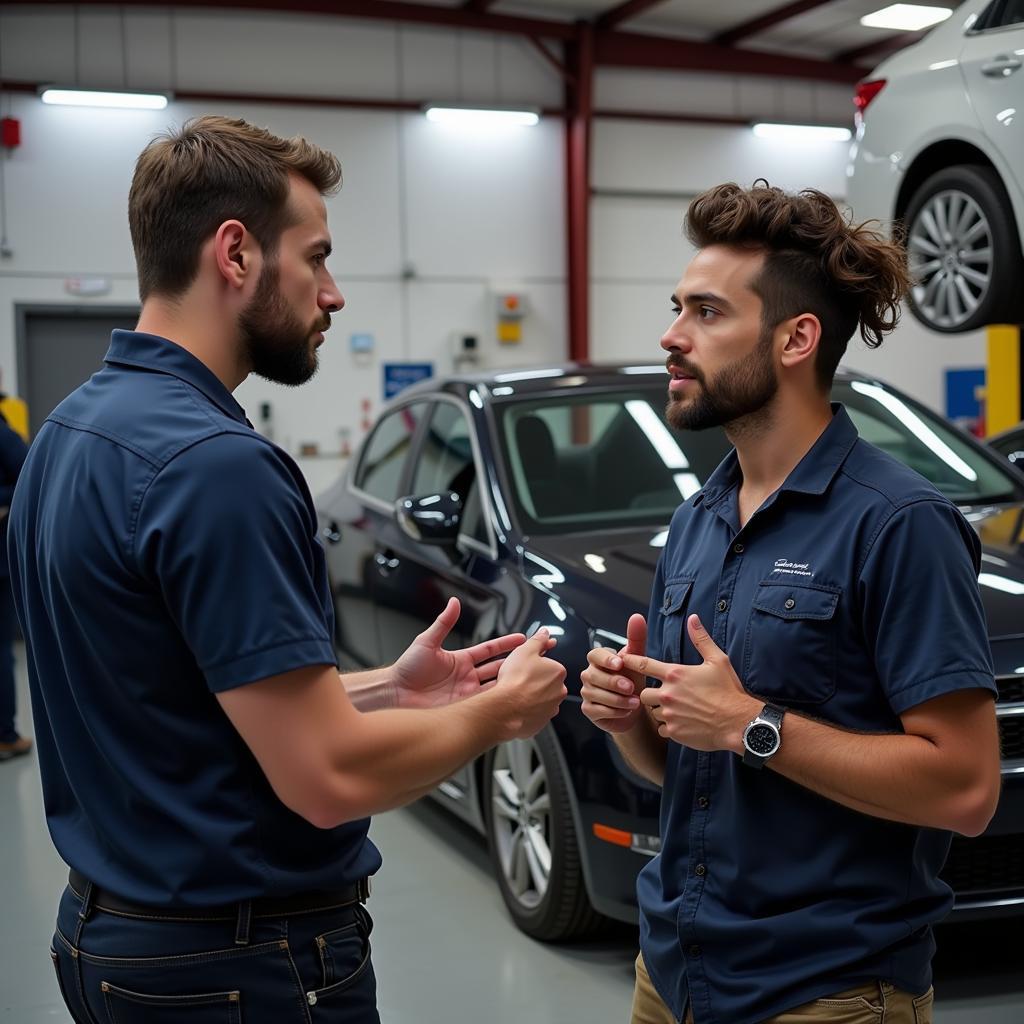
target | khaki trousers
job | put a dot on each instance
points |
(876, 1003)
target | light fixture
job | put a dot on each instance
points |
(906, 17)
(94, 98)
(482, 117)
(802, 132)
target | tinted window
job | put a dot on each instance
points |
(445, 464)
(384, 458)
(1012, 13)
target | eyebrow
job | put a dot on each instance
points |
(322, 243)
(698, 298)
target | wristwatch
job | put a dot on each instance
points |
(763, 736)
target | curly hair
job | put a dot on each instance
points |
(816, 261)
(189, 181)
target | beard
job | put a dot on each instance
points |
(278, 345)
(740, 391)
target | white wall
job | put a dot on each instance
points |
(430, 222)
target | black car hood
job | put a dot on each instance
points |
(622, 563)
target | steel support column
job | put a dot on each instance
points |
(579, 118)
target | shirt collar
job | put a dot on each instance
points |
(812, 474)
(160, 355)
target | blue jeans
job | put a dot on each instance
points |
(308, 968)
(8, 734)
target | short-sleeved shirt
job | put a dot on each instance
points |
(851, 596)
(163, 552)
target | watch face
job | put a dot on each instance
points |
(761, 739)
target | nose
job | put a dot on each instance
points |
(330, 298)
(674, 338)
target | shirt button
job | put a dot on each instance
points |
(722, 605)
(738, 548)
(700, 870)
(790, 604)
(693, 950)
(703, 802)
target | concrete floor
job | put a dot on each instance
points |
(444, 949)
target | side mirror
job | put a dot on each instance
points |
(432, 518)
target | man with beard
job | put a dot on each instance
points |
(207, 776)
(823, 717)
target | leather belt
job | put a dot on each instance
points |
(282, 906)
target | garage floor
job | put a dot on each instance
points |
(444, 949)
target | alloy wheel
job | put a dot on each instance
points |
(950, 250)
(522, 820)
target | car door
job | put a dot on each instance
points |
(352, 530)
(992, 62)
(413, 581)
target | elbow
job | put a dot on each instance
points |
(976, 808)
(328, 807)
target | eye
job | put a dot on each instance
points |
(319, 258)
(676, 310)
(706, 312)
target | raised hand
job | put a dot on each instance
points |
(611, 693)
(701, 706)
(427, 676)
(532, 686)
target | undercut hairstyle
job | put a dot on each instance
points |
(816, 261)
(189, 181)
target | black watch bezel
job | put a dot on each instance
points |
(769, 717)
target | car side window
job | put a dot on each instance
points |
(384, 458)
(1012, 13)
(445, 464)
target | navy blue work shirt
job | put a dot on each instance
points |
(850, 595)
(162, 552)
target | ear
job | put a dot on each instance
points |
(234, 251)
(800, 338)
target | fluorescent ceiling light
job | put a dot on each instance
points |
(482, 117)
(802, 132)
(89, 98)
(906, 17)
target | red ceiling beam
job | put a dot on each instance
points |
(623, 12)
(626, 49)
(378, 10)
(732, 36)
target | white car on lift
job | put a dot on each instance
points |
(939, 154)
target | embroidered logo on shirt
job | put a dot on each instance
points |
(787, 568)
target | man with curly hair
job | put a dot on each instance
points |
(824, 713)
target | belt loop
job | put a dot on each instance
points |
(84, 912)
(243, 930)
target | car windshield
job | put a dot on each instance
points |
(606, 459)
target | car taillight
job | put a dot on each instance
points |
(863, 94)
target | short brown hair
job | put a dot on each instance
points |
(816, 261)
(189, 181)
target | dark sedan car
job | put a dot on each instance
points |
(542, 497)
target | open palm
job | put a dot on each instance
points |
(428, 676)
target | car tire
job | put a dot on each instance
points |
(966, 276)
(532, 840)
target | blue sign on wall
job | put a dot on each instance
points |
(962, 397)
(398, 376)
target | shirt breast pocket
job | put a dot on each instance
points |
(790, 646)
(673, 613)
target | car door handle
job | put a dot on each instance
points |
(1001, 67)
(386, 561)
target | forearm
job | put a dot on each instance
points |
(396, 755)
(644, 750)
(895, 776)
(372, 690)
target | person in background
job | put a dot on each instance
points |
(12, 457)
(207, 775)
(825, 713)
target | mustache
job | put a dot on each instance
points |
(679, 363)
(322, 325)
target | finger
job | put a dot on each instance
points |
(606, 658)
(536, 644)
(436, 633)
(646, 666)
(636, 635)
(489, 670)
(652, 697)
(606, 699)
(701, 639)
(607, 681)
(492, 648)
(602, 712)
